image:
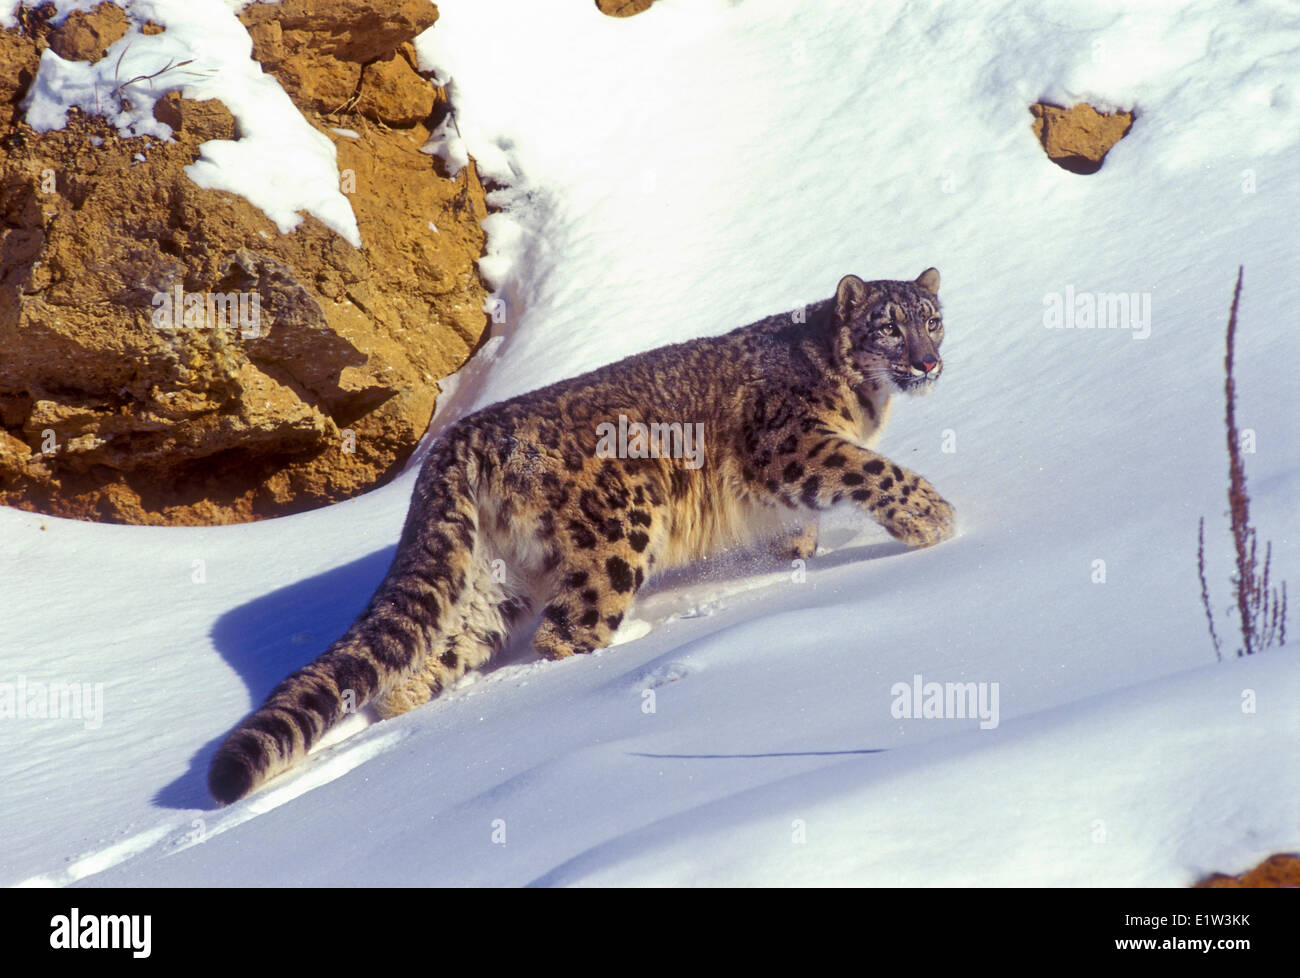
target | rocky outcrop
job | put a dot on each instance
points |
(623, 8)
(1078, 139)
(134, 386)
(336, 55)
(1275, 872)
(87, 34)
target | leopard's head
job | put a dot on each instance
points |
(890, 332)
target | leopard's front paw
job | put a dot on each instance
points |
(557, 641)
(411, 692)
(921, 517)
(800, 544)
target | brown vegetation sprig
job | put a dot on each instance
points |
(1261, 607)
(118, 92)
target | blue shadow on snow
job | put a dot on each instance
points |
(270, 637)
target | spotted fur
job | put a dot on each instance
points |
(788, 406)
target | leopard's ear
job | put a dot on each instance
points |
(928, 281)
(849, 295)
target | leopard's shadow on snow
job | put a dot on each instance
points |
(270, 637)
(266, 639)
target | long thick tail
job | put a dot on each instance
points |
(405, 623)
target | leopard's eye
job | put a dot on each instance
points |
(890, 331)
(933, 323)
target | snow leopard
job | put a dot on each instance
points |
(552, 509)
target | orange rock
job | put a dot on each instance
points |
(1078, 139)
(1281, 870)
(86, 35)
(623, 8)
(15, 50)
(392, 92)
(316, 48)
(109, 413)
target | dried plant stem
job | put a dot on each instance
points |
(1261, 608)
(1205, 590)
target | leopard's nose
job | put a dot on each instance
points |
(926, 364)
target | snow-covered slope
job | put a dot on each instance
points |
(680, 173)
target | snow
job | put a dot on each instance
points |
(280, 163)
(677, 174)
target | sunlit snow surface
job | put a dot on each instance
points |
(677, 174)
